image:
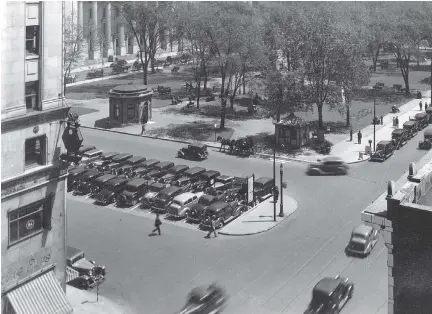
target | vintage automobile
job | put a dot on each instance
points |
(223, 182)
(222, 212)
(399, 137)
(164, 197)
(135, 161)
(153, 190)
(328, 166)
(74, 174)
(149, 163)
(330, 295)
(85, 148)
(194, 151)
(198, 209)
(184, 183)
(133, 191)
(411, 127)
(201, 300)
(206, 179)
(82, 186)
(139, 172)
(97, 184)
(427, 142)
(116, 162)
(173, 173)
(194, 173)
(90, 274)
(422, 119)
(263, 188)
(103, 160)
(159, 170)
(91, 155)
(111, 190)
(363, 240)
(383, 151)
(181, 204)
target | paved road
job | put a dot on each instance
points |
(268, 273)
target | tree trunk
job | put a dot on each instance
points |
(288, 60)
(244, 84)
(348, 118)
(205, 77)
(223, 101)
(153, 61)
(404, 66)
(198, 92)
(144, 63)
(375, 59)
(320, 115)
(418, 54)
(64, 85)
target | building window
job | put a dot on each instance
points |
(32, 41)
(31, 95)
(131, 112)
(35, 151)
(29, 220)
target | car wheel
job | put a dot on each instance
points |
(219, 224)
(134, 202)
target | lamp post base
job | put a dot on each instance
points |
(281, 212)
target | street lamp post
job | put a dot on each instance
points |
(281, 211)
(274, 172)
(374, 115)
(215, 128)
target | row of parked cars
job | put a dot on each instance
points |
(179, 191)
(385, 149)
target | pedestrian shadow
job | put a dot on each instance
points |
(152, 234)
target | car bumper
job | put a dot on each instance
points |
(358, 252)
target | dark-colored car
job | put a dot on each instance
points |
(412, 127)
(164, 197)
(74, 174)
(82, 186)
(153, 190)
(90, 274)
(184, 183)
(330, 295)
(205, 300)
(91, 155)
(383, 151)
(133, 191)
(399, 138)
(111, 191)
(136, 161)
(429, 113)
(328, 166)
(222, 212)
(125, 169)
(194, 151)
(363, 240)
(149, 163)
(197, 210)
(194, 173)
(97, 184)
(422, 119)
(427, 142)
(206, 179)
(223, 182)
(103, 160)
(173, 173)
(263, 188)
(139, 172)
(159, 170)
(117, 161)
(85, 148)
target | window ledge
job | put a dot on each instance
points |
(26, 238)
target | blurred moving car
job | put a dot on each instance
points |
(363, 240)
(330, 295)
(201, 300)
(328, 166)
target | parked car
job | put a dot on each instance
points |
(181, 204)
(159, 170)
(97, 184)
(153, 190)
(383, 151)
(91, 155)
(135, 161)
(85, 148)
(422, 119)
(197, 210)
(427, 142)
(116, 162)
(164, 197)
(222, 212)
(90, 274)
(173, 173)
(202, 300)
(82, 185)
(111, 190)
(399, 137)
(328, 166)
(73, 176)
(223, 182)
(194, 151)
(363, 240)
(149, 163)
(184, 183)
(102, 161)
(411, 127)
(429, 113)
(124, 169)
(206, 179)
(263, 188)
(133, 191)
(330, 295)
(139, 172)
(194, 173)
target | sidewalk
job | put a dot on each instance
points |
(260, 218)
(84, 302)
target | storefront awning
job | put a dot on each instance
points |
(41, 295)
(71, 274)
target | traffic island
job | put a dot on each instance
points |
(260, 218)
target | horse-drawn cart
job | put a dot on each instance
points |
(240, 147)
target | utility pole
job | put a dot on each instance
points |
(274, 173)
(281, 210)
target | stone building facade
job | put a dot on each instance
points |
(33, 181)
(404, 217)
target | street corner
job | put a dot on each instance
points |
(87, 302)
(260, 219)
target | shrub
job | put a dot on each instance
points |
(323, 148)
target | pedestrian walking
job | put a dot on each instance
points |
(382, 120)
(421, 105)
(144, 119)
(394, 122)
(275, 194)
(351, 134)
(157, 224)
(426, 105)
(397, 122)
(212, 228)
(359, 137)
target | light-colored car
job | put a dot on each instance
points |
(363, 240)
(181, 204)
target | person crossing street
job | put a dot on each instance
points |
(212, 228)
(157, 225)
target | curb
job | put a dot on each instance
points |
(264, 230)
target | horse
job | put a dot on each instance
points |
(224, 142)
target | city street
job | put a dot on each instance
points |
(272, 272)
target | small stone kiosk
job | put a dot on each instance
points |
(293, 132)
(129, 103)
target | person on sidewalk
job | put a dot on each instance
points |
(421, 105)
(157, 224)
(275, 194)
(382, 120)
(397, 122)
(351, 134)
(394, 122)
(212, 228)
(144, 120)
(426, 105)
(359, 137)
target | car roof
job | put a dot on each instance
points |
(428, 131)
(77, 170)
(362, 229)
(86, 148)
(264, 180)
(332, 158)
(157, 185)
(105, 177)
(198, 144)
(217, 206)
(384, 142)
(71, 252)
(184, 196)
(165, 163)
(135, 159)
(138, 182)
(121, 156)
(195, 170)
(109, 154)
(93, 151)
(327, 285)
(117, 180)
(91, 173)
(224, 177)
(410, 122)
(398, 131)
(179, 167)
(420, 115)
(208, 197)
(171, 189)
(150, 162)
(209, 173)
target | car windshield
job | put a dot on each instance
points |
(154, 189)
(162, 196)
(132, 188)
(380, 147)
(177, 203)
(319, 298)
(359, 235)
(205, 201)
